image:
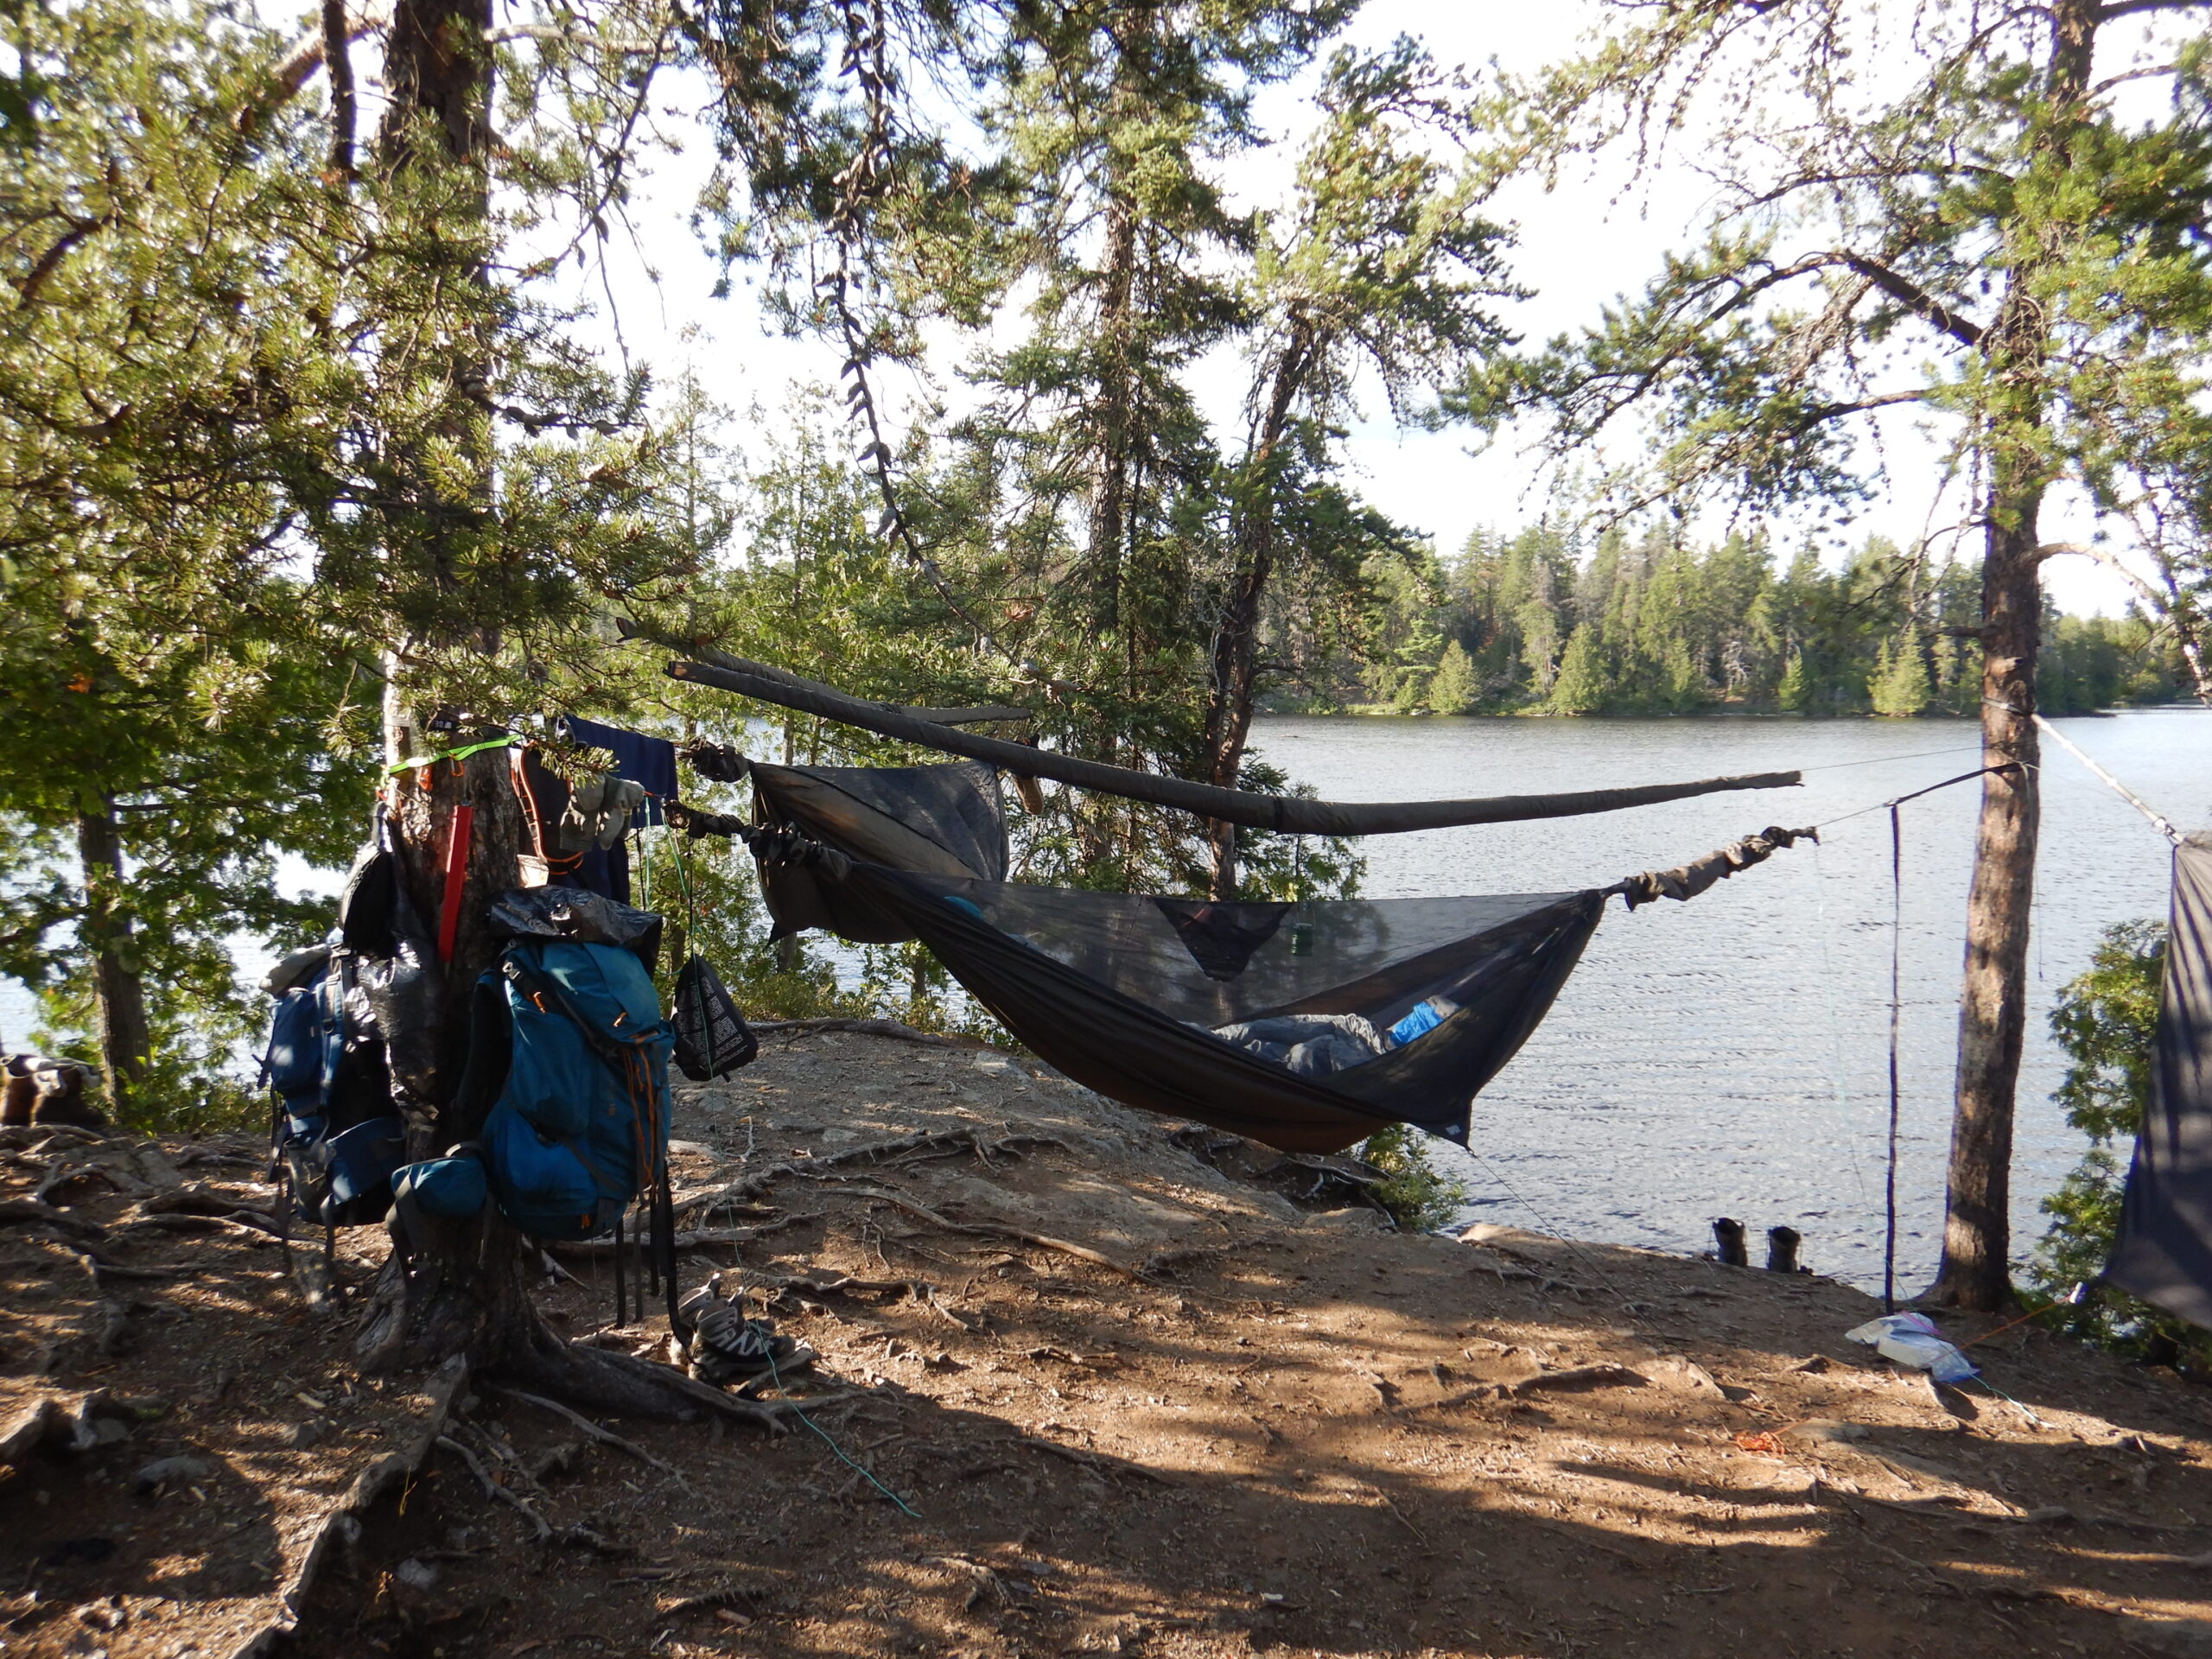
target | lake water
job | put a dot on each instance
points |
(1729, 1055)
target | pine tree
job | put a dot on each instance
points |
(1996, 229)
(1453, 690)
(1899, 685)
(1582, 687)
(1793, 694)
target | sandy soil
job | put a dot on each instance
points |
(1123, 1401)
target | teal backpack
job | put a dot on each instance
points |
(579, 1126)
(568, 1077)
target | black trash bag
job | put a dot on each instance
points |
(711, 1039)
(580, 915)
(391, 987)
(371, 892)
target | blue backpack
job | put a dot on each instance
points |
(567, 1044)
(333, 1130)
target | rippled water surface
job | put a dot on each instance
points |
(1728, 1056)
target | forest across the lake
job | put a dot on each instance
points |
(1546, 621)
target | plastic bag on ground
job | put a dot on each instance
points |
(1911, 1339)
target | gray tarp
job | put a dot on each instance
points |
(2164, 1251)
(942, 820)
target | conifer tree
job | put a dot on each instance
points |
(1794, 696)
(1454, 689)
(1987, 200)
(1899, 686)
(1582, 686)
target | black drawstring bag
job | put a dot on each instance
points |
(711, 1039)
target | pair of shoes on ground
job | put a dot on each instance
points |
(724, 1347)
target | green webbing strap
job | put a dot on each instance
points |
(461, 754)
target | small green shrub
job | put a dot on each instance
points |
(1419, 1197)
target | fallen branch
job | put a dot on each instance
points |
(868, 1028)
(492, 1489)
(604, 1436)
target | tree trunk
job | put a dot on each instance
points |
(1992, 1002)
(1236, 637)
(1117, 438)
(109, 933)
(466, 1291)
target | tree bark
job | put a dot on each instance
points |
(110, 931)
(1118, 437)
(464, 1290)
(1236, 637)
(1992, 1002)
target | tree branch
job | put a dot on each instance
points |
(292, 71)
(1915, 298)
(2133, 8)
(344, 106)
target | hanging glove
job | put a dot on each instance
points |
(599, 812)
(620, 798)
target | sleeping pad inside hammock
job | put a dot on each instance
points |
(1122, 993)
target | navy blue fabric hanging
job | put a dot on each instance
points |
(649, 762)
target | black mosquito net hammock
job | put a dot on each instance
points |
(1306, 1026)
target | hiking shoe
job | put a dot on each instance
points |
(726, 1347)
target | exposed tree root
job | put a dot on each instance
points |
(342, 1521)
(998, 1229)
(32, 1212)
(699, 1239)
(843, 1284)
(66, 1419)
(598, 1379)
(1098, 1461)
(928, 1143)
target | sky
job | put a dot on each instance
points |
(1598, 234)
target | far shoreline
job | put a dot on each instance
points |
(1372, 711)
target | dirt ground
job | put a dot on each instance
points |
(1078, 1390)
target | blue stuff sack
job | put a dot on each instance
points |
(332, 1128)
(452, 1187)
